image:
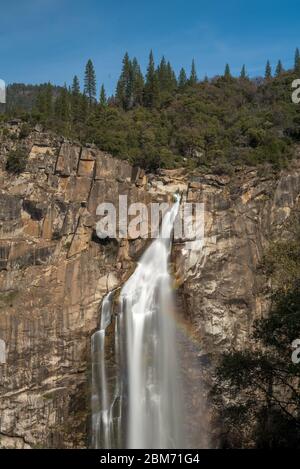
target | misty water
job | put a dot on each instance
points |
(139, 406)
(105, 427)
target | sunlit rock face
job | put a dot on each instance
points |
(55, 272)
(221, 287)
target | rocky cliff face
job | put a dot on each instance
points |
(54, 272)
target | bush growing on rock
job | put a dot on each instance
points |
(16, 161)
(24, 131)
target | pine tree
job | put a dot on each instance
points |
(193, 76)
(297, 61)
(162, 74)
(75, 97)
(138, 83)
(243, 74)
(172, 80)
(166, 77)
(124, 91)
(103, 99)
(279, 69)
(151, 89)
(268, 72)
(227, 72)
(49, 100)
(41, 102)
(83, 108)
(62, 106)
(75, 89)
(44, 102)
(90, 82)
(167, 80)
(182, 79)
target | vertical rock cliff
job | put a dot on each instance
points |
(54, 272)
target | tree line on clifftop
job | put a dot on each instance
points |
(161, 120)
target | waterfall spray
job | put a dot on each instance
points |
(150, 373)
(147, 307)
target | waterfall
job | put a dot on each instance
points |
(106, 403)
(149, 373)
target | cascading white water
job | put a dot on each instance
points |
(106, 404)
(149, 376)
(154, 417)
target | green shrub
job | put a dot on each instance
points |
(16, 161)
(25, 130)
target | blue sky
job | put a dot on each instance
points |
(43, 40)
